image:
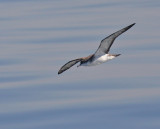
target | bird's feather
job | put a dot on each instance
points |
(107, 42)
(68, 65)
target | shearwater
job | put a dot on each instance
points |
(100, 56)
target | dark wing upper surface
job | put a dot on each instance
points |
(68, 65)
(107, 42)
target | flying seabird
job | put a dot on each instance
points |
(100, 56)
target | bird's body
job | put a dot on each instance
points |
(100, 56)
(98, 60)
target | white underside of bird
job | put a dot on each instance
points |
(99, 60)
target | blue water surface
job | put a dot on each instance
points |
(37, 37)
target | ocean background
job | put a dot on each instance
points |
(37, 37)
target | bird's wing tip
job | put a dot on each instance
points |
(133, 24)
(59, 73)
(128, 27)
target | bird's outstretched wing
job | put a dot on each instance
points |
(107, 42)
(68, 65)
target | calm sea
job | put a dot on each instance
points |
(37, 37)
